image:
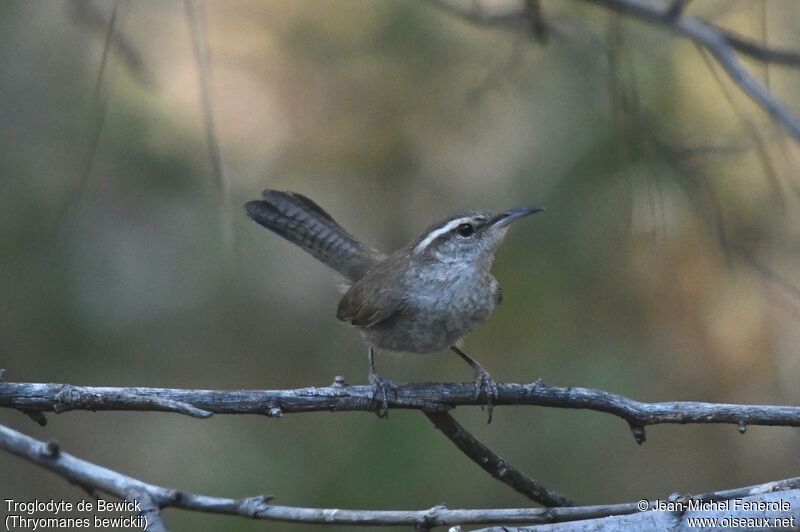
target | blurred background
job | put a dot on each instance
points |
(665, 267)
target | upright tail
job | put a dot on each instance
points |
(304, 223)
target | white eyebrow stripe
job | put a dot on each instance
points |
(433, 235)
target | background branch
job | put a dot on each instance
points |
(716, 43)
(721, 43)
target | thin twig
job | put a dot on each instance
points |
(91, 16)
(475, 13)
(721, 43)
(426, 397)
(700, 192)
(752, 130)
(493, 464)
(758, 51)
(196, 17)
(656, 13)
(752, 261)
(536, 19)
(717, 43)
(677, 7)
(100, 100)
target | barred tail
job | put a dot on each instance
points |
(304, 223)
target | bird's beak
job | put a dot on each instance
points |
(505, 218)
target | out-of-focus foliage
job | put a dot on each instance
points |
(646, 275)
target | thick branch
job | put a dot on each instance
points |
(33, 397)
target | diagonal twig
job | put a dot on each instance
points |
(89, 15)
(716, 42)
(493, 464)
(721, 43)
(752, 131)
(677, 7)
(100, 101)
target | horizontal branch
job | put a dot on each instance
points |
(429, 397)
(99, 479)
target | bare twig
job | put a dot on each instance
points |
(760, 52)
(721, 43)
(475, 13)
(718, 43)
(88, 13)
(656, 13)
(196, 16)
(100, 99)
(431, 397)
(493, 464)
(677, 7)
(535, 15)
(752, 130)
(753, 262)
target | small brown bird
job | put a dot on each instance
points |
(422, 298)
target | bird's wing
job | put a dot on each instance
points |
(365, 304)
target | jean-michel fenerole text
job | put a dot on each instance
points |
(727, 505)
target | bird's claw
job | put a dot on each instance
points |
(484, 383)
(380, 394)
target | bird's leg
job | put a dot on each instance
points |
(483, 381)
(380, 388)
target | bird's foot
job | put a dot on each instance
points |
(381, 388)
(484, 383)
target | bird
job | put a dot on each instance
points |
(423, 298)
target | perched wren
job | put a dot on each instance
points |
(422, 298)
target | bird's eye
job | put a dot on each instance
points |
(465, 230)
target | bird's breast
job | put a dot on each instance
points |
(438, 311)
